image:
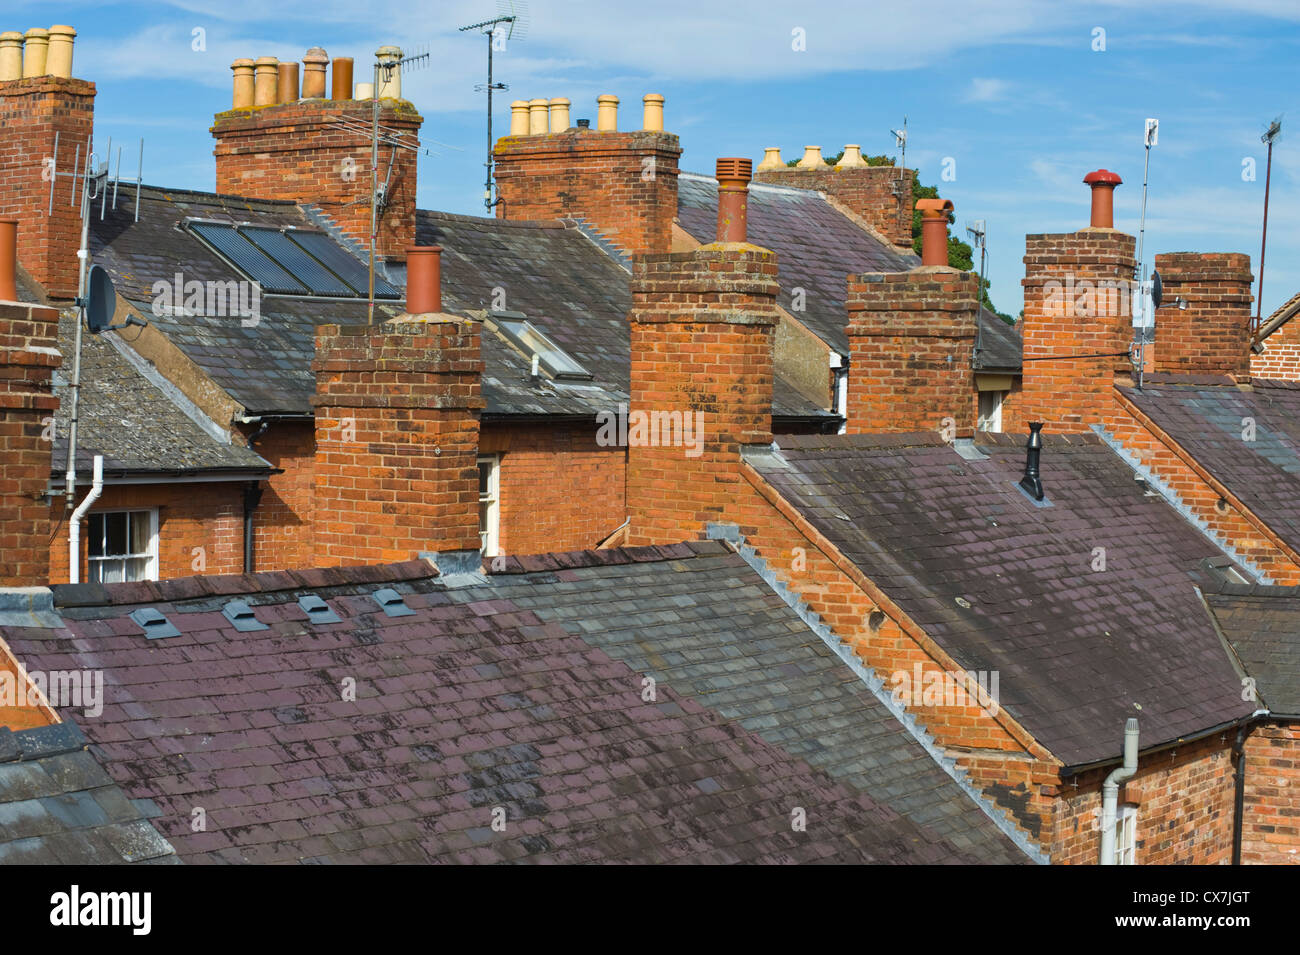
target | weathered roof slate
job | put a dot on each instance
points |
(59, 807)
(522, 691)
(1078, 650)
(1262, 625)
(1247, 439)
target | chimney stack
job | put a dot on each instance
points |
(880, 195)
(1078, 324)
(423, 279)
(622, 184)
(733, 177)
(1103, 183)
(1211, 336)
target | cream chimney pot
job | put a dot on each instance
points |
(365, 91)
(519, 118)
(812, 158)
(559, 114)
(390, 88)
(11, 56)
(652, 115)
(59, 59)
(771, 158)
(538, 120)
(243, 95)
(266, 79)
(607, 113)
(35, 51)
(852, 158)
(314, 62)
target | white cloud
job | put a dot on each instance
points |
(987, 90)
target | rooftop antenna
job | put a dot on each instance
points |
(977, 232)
(1144, 316)
(510, 23)
(1270, 136)
(388, 60)
(77, 172)
(900, 142)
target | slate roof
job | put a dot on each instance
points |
(817, 248)
(59, 807)
(1078, 651)
(1262, 626)
(1209, 421)
(550, 271)
(521, 690)
(134, 423)
(1283, 314)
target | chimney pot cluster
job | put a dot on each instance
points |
(268, 82)
(541, 116)
(39, 52)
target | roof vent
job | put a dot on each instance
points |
(391, 603)
(1032, 483)
(317, 610)
(584, 124)
(239, 613)
(153, 623)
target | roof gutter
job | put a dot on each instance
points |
(1080, 768)
(182, 476)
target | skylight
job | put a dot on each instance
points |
(530, 340)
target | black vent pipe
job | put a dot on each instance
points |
(1032, 482)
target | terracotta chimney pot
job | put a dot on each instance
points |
(559, 114)
(8, 260)
(1103, 183)
(771, 158)
(423, 279)
(243, 94)
(519, 118)
(538, 117)
(852, 158)
(733, 176)
(652, 115)
(812, 158)
(314, 63)
(59, 58)
(934, 230)
(266, 79)
(11, 56)
(35, 51)
(341, 78)
(607, 113)
(286, 90)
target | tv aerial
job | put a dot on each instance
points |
(1270, 136)
(511, 23)
(900, 143)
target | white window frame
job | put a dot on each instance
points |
(992, 422)
(1126, 834)
(490, 536)
(152, 554)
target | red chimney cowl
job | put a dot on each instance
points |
(1103, 183)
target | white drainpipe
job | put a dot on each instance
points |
(1110, 791)
(74, 525)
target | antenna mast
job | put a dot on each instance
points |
(1143, 300)
(492, 30)
(1274, 130)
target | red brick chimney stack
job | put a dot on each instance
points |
(1211, 336)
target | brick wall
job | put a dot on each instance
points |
(1212, 335)
(397, 428)
(702, 325)
(882, 195)
(28, 358)
(1271, 808)
(559, 489)
(1076, 308)
(1281, 356)
(299, 151)
(282, 522)
(911, 340)
(32, 111)
(200, 527)
(624, 184)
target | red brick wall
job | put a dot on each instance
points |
(559, 490)
(1066, 314)
(200, 527)
(31, 112)
(1212, 335)
(397, 427)
(622, 184)
(28, 359)
(282, 522)
(298, 151)
(1271, 810)
(869, 191)
(1281, 356)
(911, 339)
(702, 325)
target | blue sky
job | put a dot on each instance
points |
(1015, 92)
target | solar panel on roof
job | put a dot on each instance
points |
(248, 258)
(330, 254)
(318, 279)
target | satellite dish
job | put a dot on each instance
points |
(1157, 290)
(101, 300)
